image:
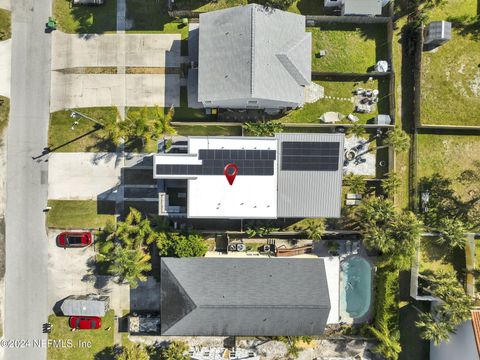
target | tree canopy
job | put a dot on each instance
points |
(176, 350)
(452, 309)
(262, 128)
(394, 234)
(179, 245)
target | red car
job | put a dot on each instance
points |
(74, 239)
(85, 322)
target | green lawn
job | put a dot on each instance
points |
(85, 19)
(448, 155)
(5, 25)
(311, 113)
(350, 47)
(86, 136)
(307, 7)
(152, 16)
(4, 110)
(97, 344)
(83, 214)
(451, 76)
(205, 6)
(211, 130)
(184, 113)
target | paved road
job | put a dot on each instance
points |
(26, 244)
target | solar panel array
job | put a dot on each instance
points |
(249, 162)
(310, 156)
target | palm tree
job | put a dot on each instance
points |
(452, 233)
(389, 345)
(356, 183)
(391, 183)
(432, 330)
(398, 139)
(161, 125)
(176, 350)
(314, 228)
(130, 265)
(133, 352)
(358, 130)
(263, 128)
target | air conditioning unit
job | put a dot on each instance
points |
(266, 247)
(232, 247)
(241, 247)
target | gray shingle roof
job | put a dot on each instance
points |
(309, 193)
(251, 297)
(253, 52)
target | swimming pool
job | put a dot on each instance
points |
(355, 287)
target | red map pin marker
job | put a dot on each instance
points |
(230, 171)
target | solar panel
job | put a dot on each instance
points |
(249, 162)
(310, 156)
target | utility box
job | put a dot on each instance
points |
(437, 33)
(383, 120)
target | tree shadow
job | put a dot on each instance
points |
(109, 353)
(95, 19)
(468, 26)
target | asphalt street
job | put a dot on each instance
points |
(27, 180)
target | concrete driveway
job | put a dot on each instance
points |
(83, 176)
(88, 90)
(5, 66)
(70, 273)
(75, 86)
(139, 50)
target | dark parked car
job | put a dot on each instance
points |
(85, 322)
(74, 239)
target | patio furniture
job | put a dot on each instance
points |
(354, 196)
(368, 93)
(331, 117)
(363, 108)
(359, 91)
(352, 118)
(350, 202)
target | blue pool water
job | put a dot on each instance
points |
(355, 287)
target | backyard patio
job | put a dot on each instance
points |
(339, 97)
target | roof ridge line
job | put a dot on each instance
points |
(252, 50)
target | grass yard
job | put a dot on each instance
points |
(350, 47)
(402, 159)
(451, 75)
(4, 111)
(85, 19)
(210, 130)
(205, 6)
(184, 113)
(311, 113)
(5, 24)
(86, 136)
(100, 341)
(82, 214)
(307, 7)
(152, 16)
(448, 155)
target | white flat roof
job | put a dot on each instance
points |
(211, 196)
